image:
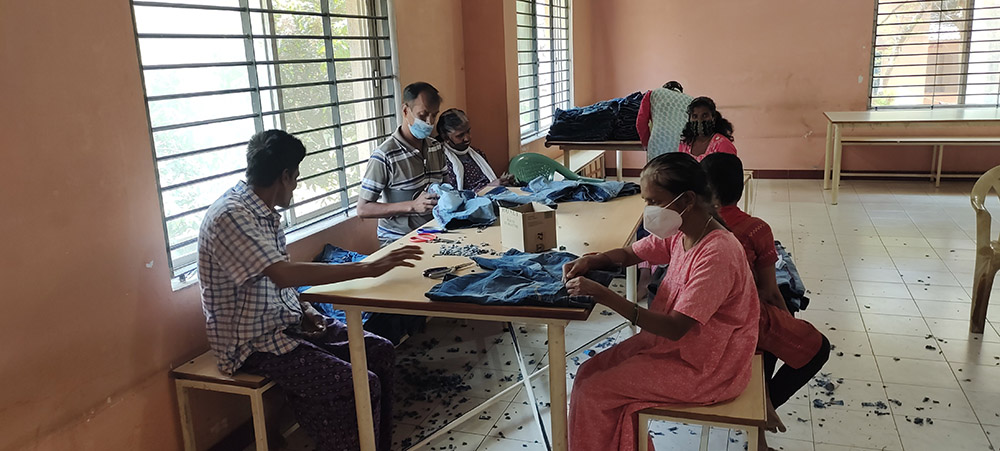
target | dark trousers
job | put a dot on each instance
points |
(316, 378)
(787, 381)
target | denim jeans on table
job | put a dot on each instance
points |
(551, 192)
(517, 278)
(460, 209)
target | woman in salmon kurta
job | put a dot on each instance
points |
(700, 330)
(706, 132)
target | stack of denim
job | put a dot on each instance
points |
(628, 112)
(591, 123)
(607, 120)
(789, 282)
(517, 279)
(551, 192)
(460, 209)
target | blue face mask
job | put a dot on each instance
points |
(420, 129)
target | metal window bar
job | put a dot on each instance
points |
(256, 88)
(260, 63)
(252, 10)
(882, 65)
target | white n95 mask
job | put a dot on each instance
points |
(662, 221)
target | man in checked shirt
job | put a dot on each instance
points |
(254, 318)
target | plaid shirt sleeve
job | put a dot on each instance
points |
(241, 249)
(376, 178)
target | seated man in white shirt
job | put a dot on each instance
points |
(254, 318)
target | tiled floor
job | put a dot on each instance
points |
(890, 275)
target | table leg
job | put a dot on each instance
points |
(618, 164)
(557, 385)
(934, 156)
(631, 287)
(565, 157)
(940, 160)
(828, 156)
(838, 150)
(359, 372)
(526, 380)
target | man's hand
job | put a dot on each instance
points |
(424, 203)
(582, 286)
(398, 257)
(313, 322)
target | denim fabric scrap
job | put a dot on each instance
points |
(789, 281)
(461, 209)
(517, 279)
(551, 192)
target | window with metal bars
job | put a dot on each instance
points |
(217, 71)
(934, 53)
(543, 63)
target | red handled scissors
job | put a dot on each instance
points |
(428, 238)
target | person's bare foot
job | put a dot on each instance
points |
(773, 422)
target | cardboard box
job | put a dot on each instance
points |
(529, 227)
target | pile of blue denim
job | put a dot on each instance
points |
(460, 209)
(789, 282)
(517, 279)
(612, 119)
(551, 192)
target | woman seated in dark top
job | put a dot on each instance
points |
(467, 167)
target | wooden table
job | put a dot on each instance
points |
(841, 125)
(617, 146)
(582, 227)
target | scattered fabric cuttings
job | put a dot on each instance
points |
(552, 192)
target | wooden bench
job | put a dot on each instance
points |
(842, 125)
(748, 411)
(203, 373)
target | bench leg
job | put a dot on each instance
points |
(828, 158)
(838, 150)
(187, 422)
(619, 164)
(937, 178)
(259, 424)
(754, 437)
(643, 437)
(706, 430)
(631, 288)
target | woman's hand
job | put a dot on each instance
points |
(582, 286)
(576, 268)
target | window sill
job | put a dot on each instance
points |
(533, 138)
(297, 234)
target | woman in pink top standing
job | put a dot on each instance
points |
(707, 132)
(700, 330)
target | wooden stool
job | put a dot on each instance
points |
(748, 411)
(203, 373)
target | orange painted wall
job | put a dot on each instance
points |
(89, 330)
(772, 67)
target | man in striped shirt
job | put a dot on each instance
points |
(394, 188)
(254, 318)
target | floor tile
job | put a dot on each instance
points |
(977, 377)
(916, 372)
(904, 346)
(920, 264)
(880, 289)
(944, 310)
(974, 352)
(941, 403)
(941, 435)
(853, 392)
(798, 422)
(829, 320)
(504, 444)
(987, 407)
(888, 306)
(779, 442)
(958, 329)
(895, 324)
(851, 366)
(458, 441)
(849, 342)
(855, 428)
(931, 292)
(834, 302)
(945, 278)
(874, 275)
